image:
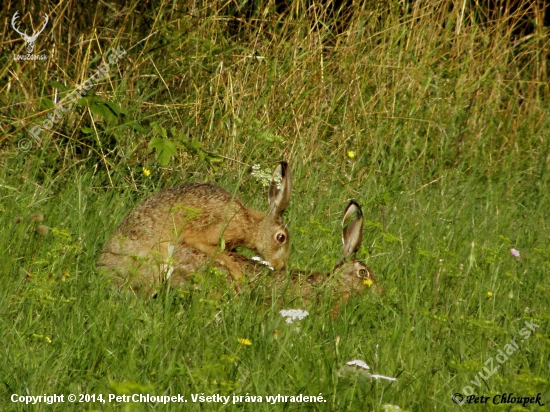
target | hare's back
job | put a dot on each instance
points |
(203, 196)
(176, 205)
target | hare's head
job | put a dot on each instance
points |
(274, 242)
(353, 274)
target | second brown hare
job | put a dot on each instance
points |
(349, 276)
(201, 217)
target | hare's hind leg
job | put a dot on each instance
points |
(137, 274)
(219, 257)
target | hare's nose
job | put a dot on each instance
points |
(278, 264)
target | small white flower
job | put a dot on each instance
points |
(514, 252)
(360, 368)
(257, 259)
(265, 177)
(391, 408)
(359, 363)
(293, 314)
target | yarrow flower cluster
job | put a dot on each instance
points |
(358, 367)
(291, 315)
(391, 408)
(265, 176)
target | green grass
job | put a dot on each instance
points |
(446, 114)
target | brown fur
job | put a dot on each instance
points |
(198, 216)
(349, 277)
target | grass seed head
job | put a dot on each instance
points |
(42, 230)
(37, 217)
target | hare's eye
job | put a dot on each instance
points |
(362, 272)
(280, 237)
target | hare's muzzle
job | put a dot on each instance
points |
(277, 264)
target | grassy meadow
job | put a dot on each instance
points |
(432, 115)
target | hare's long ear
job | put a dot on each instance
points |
(279, 189)
(352, 229)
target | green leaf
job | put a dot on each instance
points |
(195, 144)
(46, 103)
(270, 137)
(115, 108)
(137, 127)
(388, 237)
(158, 129)
(98, 100)
(214, 161)
(59, 86)
(85, 101)
(165, 149)
(87, 130)
(97, 110)
(94, 59)
(103, 111)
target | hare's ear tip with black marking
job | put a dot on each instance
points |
(280, 189)
(282, 168)
(353, 211)
(282, 171)
(352, 229)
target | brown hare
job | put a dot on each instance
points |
(200, 217)
(349, 276)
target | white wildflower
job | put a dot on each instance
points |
(391, 408)
(358, 368)
(293, 314)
